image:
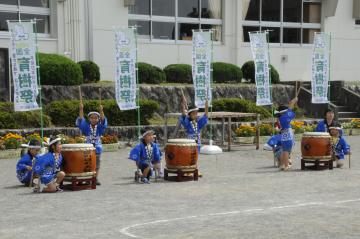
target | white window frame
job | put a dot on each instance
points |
(19, 9)
(177, 20)
(281, 24)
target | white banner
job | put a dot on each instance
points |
(320, 68)
(260, 52)
(23, 62)
(125, 69)
(201, 67)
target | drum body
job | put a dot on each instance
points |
(181, 154)
(316, 145)
(79, 160)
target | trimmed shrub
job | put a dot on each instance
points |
(59, 70)
(64, 113)
(226, 73)
(178, 73)
(9, 119)
(240, 105)
(149, 74)
(248, 70)
(90, 71)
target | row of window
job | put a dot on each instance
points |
(25, 10)
(288, 21)
(175, 19)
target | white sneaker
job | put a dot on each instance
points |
(267, 147)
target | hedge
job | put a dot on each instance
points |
(9, 119)
(226, 73)
(240, 105)
(90, 71)
(64, 113)
(178, 73)
(150, 74)
(59, 70)
(248, 70)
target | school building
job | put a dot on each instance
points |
(84, 30)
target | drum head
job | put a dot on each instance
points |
(77, 146)
(181, 141)
(316, 134)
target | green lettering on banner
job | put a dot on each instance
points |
(125, 66)
(201, 67)
(26, 95)
(125, 81)
(24, 64)
(200, 81)
(24, 80)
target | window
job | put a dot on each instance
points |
(175, 20)
(288, 21)
(26, 10)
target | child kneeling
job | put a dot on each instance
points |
(339, 145)
(146, 154)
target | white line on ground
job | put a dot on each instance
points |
(125, 230)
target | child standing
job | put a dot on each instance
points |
(146, 154)
(93, 130)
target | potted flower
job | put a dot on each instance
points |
(245, 134)
(110, 143)
(346, 127)
(266, 130)
(355, 127)
(10, 145)
(298, 127)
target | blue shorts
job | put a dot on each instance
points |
(287, 145)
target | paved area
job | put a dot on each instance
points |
(240, 196)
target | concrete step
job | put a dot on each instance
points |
(348, 114)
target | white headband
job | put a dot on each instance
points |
(280, 112)
(30, 146)
(338, 128)
(191, 110)
(94, 113)
(148, 132)
(54, 141)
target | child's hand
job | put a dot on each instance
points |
(101, 108)
(81, 106)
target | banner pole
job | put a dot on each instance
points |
(137, 85)
(211, 83)
(271, 88)
(39, 83)
(329, 84)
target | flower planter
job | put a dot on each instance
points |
(110, 147)
(346, 132)
(355, 131)
(10, 153)
(244, 140)
(263, 139)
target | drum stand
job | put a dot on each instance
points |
(81, 183)
(181, 175)
(328, 163)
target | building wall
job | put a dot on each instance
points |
(83, 29)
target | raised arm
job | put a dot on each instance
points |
(293, 102)
(81, 110)
(102, 115)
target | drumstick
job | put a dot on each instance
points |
(80, 95)
(183, 98)
(298, 90)
(100, 95)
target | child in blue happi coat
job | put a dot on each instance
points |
(24, 171)
(285, 115)
(339, 146)
(274, 144)
(146, 154)
(192, 123)
(93, 130)
(48, 167)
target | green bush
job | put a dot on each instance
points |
(150, 74)
(64, 113)
(59, 70)
(226, 73)
(90, 71)
(240, 105)
(179, 73)
(248, 70)
(9, 119)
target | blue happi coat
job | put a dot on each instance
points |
(341, 148)
(287, 135)
(322, 126)
(47, 167)
(84, 126)
(275, 143)
(22, 173)
(201, 122)
(139, 155)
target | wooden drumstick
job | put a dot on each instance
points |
(80, 95)
(184, 99)
(100, 95)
